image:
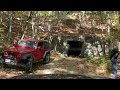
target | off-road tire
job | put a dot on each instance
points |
(29, 65)
(46, 60)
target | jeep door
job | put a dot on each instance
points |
(40, 51)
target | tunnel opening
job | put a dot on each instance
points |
(74, 48)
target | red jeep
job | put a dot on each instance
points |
(27, 52)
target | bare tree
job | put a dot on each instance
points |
(10, 24)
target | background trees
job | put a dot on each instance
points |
(47, 24)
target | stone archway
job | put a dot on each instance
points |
(75, 47)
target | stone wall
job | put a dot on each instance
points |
(93, 45)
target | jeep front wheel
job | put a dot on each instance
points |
(47, 58)
(4, 65)
(28, 65)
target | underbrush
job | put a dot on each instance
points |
(100, 63)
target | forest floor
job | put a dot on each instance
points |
(59, 68)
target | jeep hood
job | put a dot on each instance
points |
(21, 50)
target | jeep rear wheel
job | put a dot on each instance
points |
(47, 58)
(5, 65)
(29, 64)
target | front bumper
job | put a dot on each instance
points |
(13, 62)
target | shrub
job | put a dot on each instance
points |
(100, 62)
(104, 62)
(89, 59)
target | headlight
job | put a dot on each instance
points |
(5, 54)
(19, 55)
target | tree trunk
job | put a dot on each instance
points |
(1, 19)
(80, 20)
(10, 25)
(108, 23)
(27, 20)
(103, 46)
(33, 31)
(23, 35)
(119, 16)
(92, 23)
(49, 22)
(108, 30)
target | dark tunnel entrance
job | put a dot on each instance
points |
(74, 48)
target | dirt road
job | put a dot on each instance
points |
(59, 68)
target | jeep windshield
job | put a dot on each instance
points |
(30, 44)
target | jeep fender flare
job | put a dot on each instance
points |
(26, 56)
(46, 54)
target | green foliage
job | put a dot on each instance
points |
(114, 34)
(46, 13)
(69, 23)
(104, 63)
(89, 59)
(21, 20)
(100, 62)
